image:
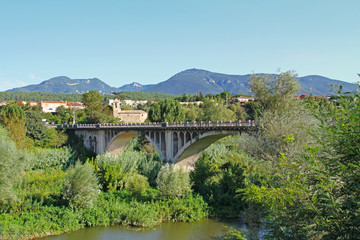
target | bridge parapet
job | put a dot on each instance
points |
(163, 125)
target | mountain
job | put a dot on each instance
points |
(64, 84)
(135, 87)
(189, 81)
(195, 80)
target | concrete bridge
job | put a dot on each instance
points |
(176, 142)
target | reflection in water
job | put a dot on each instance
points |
(205, 229)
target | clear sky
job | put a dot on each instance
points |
(148, 41)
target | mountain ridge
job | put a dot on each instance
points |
(190, 81)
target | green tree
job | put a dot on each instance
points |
(95, 111)
(92, 100)
(35, 128)
(216, 111)
(201, 96)
(13, 118)
(166, 111)
(253, 110)
(315, 192)
(275, 92)
(61, 110)
(239, 111)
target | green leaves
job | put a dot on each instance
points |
(81, 187)
(166, 111)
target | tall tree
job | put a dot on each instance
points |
(35, 128)
(275, 92)
(166, 111)
(92, 100)
(216, 111)
(95, 112)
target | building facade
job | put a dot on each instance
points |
(128, 116)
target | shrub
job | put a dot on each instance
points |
(10, 167)
(110, 176)
(81, 186)
(49, 158)
(173, 182)
(136, 183)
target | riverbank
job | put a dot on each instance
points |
(120, 208)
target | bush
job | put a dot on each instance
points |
(124, 163)
(11, 167)
(173, 183)
(49, 158)
(136, 183)
(81, 186)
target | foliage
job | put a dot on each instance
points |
(191, 113)
(95, 112)
(315, 193)
(239, 111)
(166, 111)
(275, 92)
(219, 172)
(173, 182)
(11, 166)
(75, 142)
(81, 186)
(234, 234)
(49, 158)
(112, 168)
(253, 110)
(39, 96)
(35, 128)
(110, 176)
(41, 185)
(13, 118)
(216, 111)
(92, 100)
(121, 207)
(143, 96)
(55, 138)
(136, 183)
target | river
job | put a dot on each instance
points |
(201, 230)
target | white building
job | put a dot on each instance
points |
(51, 106)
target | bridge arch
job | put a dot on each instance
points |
(192, 150)
(120, 140)
(175, 142)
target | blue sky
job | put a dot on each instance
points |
(148, 41)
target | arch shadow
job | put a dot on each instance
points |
(120, 140)
(192, 150)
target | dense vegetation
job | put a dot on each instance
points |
(46, 96)
(297, 178)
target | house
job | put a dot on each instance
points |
(34, 104)
(51, 106)
(242, 100)
(191, 103)
(128, 116)
(3, 104)
(131, 103)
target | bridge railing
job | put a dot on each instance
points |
(201, 124)
(249, 123)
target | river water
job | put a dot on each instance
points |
(201, 230)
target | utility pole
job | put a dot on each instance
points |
(74, 108)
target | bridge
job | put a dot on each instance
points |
(176, 142)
